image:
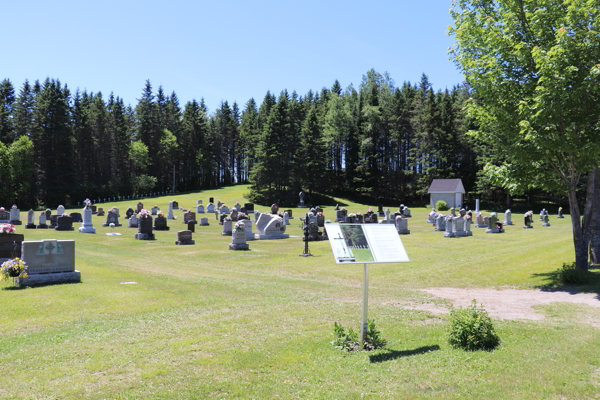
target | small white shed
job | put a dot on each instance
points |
(451, 191)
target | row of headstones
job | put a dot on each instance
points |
(130, 197)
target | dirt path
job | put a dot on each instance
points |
(506, 304)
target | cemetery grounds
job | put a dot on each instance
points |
(204, 322)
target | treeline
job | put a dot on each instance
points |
(377, 140)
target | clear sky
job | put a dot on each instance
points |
(223, 50)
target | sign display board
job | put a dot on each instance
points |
(365, 244)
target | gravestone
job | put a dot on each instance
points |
(133, 221)
(200, 208)
(116, 211)
(160, 223)
(321, 221)
(238, 239)
(64, 223)
(542, 214)
(431, 216)
(211, 199)
(188, 217)
(86, 226)
(546, 221)
(508, 217)
(270, 226)
(100, 212)
(234, 215)
(380, 210)
(290, 213)
(463, 212)
(301, 195)
(155, 210)
(248, 229)
(48, 214)
(49, 261)
(407, 212)
(191, 226)
(494, 226)
(54, 221)
(467, 227)
(449, 227)
(30, 220)
(274, 209)
(480, 221)
(60, 210)
(140, 207)
(199, 203)
(560, 213)
(42, 220)
(440, 223)
(249, 208)
(203, 221)
(476, 206)
(221, 218)
(94, 210)
(223, 209)
(10, 246)
(227, 228)
(402, 226)
(286, 218)
(210, 208)
(238, 207)
(340, 216)
(172, 206)
(528, 220)
(256, 215)
(145, 229)
(370, 218)
(129, 213)
(184, 238)
(15, 216)
(459, 226)
(175, 204)
(111, 218)
(76, 217)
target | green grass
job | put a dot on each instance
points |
(206, 322)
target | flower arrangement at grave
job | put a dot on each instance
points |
(87, 202)
(237, 203)
(144, 213)
(227, 218)
(352, 215)
(320, 214)
(112, 225)
(15, 268)
(7, 228)
(398, 217)
(223, 205)
(161, 214)
(239, 226)
(114, 209)
(468, 217)
(370, 210)
(2, 209)
(14, 206)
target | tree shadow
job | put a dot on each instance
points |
(552, 282)
(394, 354)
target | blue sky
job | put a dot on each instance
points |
(220, 50)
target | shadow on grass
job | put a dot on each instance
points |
(394, 354)
(590, 282)
(41, 285)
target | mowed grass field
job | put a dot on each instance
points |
(204, 322)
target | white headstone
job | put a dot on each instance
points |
(170, 215)
(60, 210)
(87, 226)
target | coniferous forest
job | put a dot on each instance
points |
(379, 140)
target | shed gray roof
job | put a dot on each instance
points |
(446, 186)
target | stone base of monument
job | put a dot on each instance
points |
(258, 236)
(469, 233)
(30, 226)
(508, 223)
(528, 227)
(107, 225)
(145, 236)
(64, 228)
(87, 229)
(461, 234)
(15, 222)
(49, 278)
(547, 224)
(241, 246)
(42, 226)
(481, 226)
(164, 228)
(495, 230)
(204, 224)
(404, 232)
(560, 216)
(226, 233)
(449, 234)
(435, 228)
(185, 242)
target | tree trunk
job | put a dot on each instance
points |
(582, 226)
(595, 220)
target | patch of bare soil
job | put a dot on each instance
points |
(510, 303)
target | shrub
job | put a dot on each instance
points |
(569, 274)
(349, 341)
(471, 329)
(441, 205)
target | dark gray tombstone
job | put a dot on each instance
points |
(64, 223)
(184, 237)
(160, 223)
(76, 217)
(145, 229)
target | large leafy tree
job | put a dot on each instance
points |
(534, 68)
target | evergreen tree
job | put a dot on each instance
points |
(7, 103)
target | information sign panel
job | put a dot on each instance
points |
(365, 243)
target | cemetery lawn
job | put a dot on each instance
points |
(204, 322)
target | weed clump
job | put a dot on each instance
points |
(349, 341)
(472, 329)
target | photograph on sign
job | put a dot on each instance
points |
(365, 243)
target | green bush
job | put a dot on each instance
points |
(471, 329)
(349, 341)
(441, 205)
(569, 274)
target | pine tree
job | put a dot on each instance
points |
(7, 103)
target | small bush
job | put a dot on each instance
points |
(441, 205)
(471, 329)
(569, 274)
(349, 341)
